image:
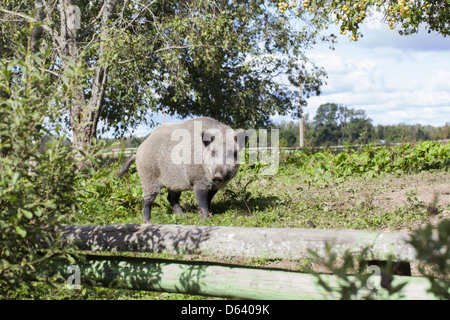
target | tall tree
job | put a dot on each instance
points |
(359, 128)
(133, 57)
(287, 133)
(336, 124)
(327, 124)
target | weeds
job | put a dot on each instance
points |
(413, 200)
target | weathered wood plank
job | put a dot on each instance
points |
(217, 279)
(236, 241)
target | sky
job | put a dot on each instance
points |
(394, 79)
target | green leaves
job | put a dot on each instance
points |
(21, 231)
(201, 63)
(37, 171)
(372, 160)
(405, 16)
(432, 246)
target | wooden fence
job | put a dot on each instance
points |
(227, 280)
(130, 151)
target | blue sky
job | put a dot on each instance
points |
(393, 78)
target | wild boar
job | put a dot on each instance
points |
(200, 154)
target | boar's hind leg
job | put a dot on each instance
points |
(149, 196)
(202, 201)
(174, 199)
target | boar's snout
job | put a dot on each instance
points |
(221, 175)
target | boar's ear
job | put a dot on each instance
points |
(207, 138)
(241, 137)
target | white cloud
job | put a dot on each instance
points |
(393, 78)
(375, 20)
(440, 81)
(330, 60)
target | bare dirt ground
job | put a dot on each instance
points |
(431, 190)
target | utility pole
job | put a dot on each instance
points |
(300, 114)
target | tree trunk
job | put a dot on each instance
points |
(270, 243)
(223, 280)
(36, 32)
(300, 115)
(84, 115)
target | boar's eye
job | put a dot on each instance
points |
(206, 141)
(213, 153)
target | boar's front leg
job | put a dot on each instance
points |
(202, 201)
(211, 194)
(174, 199)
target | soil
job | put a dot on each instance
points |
(429, 190)
(433, 189)
(385, 194)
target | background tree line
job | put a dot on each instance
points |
(336, 124)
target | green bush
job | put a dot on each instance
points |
(37, 173)
(109, 199)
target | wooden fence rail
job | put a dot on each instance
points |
(220, 280)
(216, 279)
(131, 151)
(271, 243)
